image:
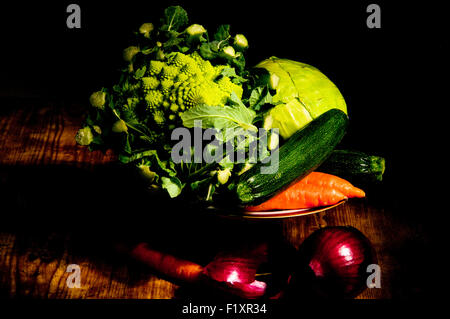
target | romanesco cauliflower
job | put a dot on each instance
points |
(184, 81)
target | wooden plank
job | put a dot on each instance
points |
(44, 134)
(33, 272)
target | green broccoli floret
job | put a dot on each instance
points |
(207, 69)
(158, 117)
(153, 99)
(190, 69)
(149, 83)
(132, 102)
(184, 81)
(227, 86)
(169, 72)
(155, 67)
(179, 59)
(174, 107)
(166, 85)
(181, 77)
(197, 93)
(166, 104)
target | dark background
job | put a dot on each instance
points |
(389, 76)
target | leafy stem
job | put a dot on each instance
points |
(147, 138)
(221, 41)
(208, 196)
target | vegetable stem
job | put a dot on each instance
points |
(209, 192)
(201, 170)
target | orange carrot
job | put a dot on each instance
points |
(166, 264)
(315, 190)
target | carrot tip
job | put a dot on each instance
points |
(357, 192)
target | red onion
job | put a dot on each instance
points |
(236, 271)
(333, 263)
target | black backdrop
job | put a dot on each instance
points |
(388, 76)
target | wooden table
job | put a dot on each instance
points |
(65, 205)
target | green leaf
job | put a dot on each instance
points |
(151, 156)
(197, 185)
(173, 39)
(140, 72)
(124, 158)
(128, 159)
(231, 73)
(221, 117)
(239, 63)
(175, 17)
(206, 51)
(237, 101)
(117, 88)
(222, 33)
(172, 42)
(97, 140)
(226, 162)
(166, 166)
(147, 51)
(259, 97)
(127, 143)
(215, 46)
(172, 185)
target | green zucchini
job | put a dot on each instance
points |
(302, 153)
(354, 166)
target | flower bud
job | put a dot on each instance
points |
(223, 175)
(240, 41)
(195, 30)
(229, 50)
(97, 129)
(145, 29)
(97, 99)
(119, 126)
(130, 52)
(84, 136)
